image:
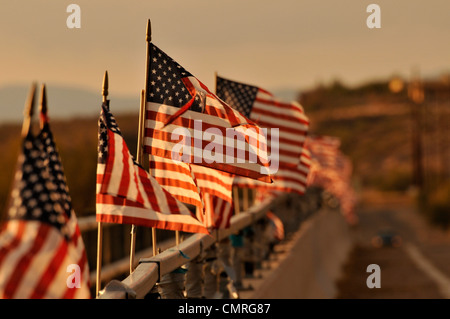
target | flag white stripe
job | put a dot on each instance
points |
(39, 264)
(116, 174)
(114, 210)
(11, 260)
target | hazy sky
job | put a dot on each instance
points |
(272, 44)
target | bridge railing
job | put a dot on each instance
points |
(150, 270)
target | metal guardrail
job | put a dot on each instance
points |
(150, 270)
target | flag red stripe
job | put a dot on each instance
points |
(119, 201)
(125, 179)
(167, 181)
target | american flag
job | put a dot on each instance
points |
(218, 212)
(277, 225)
(324, 148)
(214, 182)
(288, 178)
(41, 241)
(208, 189)
(216, 188)
(214, 135)
(126, 193)
(267, 111)
(177, 178)
(332, 171)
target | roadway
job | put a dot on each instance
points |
(418, 268)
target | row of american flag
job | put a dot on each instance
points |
(41, 238)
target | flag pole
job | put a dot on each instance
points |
(43, 107)
(235, 189)
(139, 159)
(29, 110)
(148, 39)
(99, 224)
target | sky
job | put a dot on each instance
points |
(292, 44)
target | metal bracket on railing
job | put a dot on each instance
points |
(157, 262)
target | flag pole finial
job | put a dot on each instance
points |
(29, 110)
(43, 100)
(43, 106)
(149, 31)
(105, 86)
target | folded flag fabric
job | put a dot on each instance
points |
(177, 178)
(126, 193)
(208, 189)
(290, 179)
(218, 212)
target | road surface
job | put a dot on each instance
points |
(418, 268)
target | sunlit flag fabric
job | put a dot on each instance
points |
(218, 212)
(292, 179)
(177, 178)
(214, 182)
(324, 148)
(42, 254)
(269, 112)
(126, 193)
(187, 182)
(186, 121)
(216, 189)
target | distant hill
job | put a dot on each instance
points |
(375, 127)
(63, 102)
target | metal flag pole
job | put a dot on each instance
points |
(100, 225)
(29, 110)
(139, 159)
(43, 107)
(148, 39)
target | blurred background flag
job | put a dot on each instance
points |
(178, 100)
(126, 193)
(41, 243)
